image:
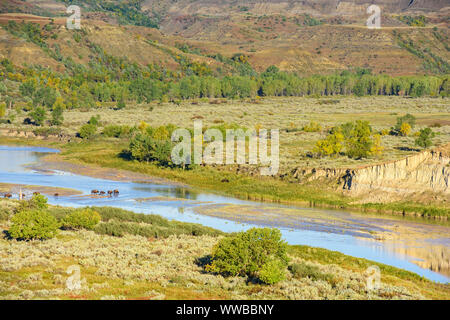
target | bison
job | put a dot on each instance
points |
(94, 191)
(8, 195)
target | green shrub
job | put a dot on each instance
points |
(408, 118)
(81, 219)
(250, 253)
(358, 140)
(60, 212)
(46, 131)
(424, 139)
(87, 131)
(118, 222)
(57, 115)
(94, 120)
(354, 139)
(115, 131)
(33, 224)
(145, 148)
(272, 272)
(37, 202)
(312, 127)
(38, 115)
(303, 270)
(120, 105)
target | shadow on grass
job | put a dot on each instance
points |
(6, 235)
(407, 149)
(125, 155)
(203, 262)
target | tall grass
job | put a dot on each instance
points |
(118, 222)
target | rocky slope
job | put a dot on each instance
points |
(290, 7)
(427, 171)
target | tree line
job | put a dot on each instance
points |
(108, 78)
(44, 87)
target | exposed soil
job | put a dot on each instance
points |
(55, 162)
(28, 190)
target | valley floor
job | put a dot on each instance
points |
(138, 267)
(101, 158)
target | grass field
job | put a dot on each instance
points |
(168, 266)
(289, 115)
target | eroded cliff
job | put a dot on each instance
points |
(427, 171)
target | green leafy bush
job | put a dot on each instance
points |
(94, 120)
(120, 105)
(81, 219)
(38, 115)
(406, 119)
(358, 140)
(115, 131)
(37, 202)
(303, 270)
(254, 253)
(57, 115)
(47, 131)
(354, 139)
(424, 139)
(33, 224)
(87, 131)
(145, 148)
(272, 272)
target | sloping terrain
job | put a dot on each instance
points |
(290, 7)
(425, 172)
(308, 37)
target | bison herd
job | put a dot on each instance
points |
(93, 192)
(110, 192)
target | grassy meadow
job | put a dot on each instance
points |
(289, 115)
(163, 260)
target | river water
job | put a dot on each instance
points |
(415, 246)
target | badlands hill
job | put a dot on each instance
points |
(308, 37)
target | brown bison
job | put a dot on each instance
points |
(8, 195)
(94, 191)
(56, 194)
(102, 192)
(116, 191)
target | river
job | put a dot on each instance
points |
(416, 246)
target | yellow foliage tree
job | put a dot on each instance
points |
(143, 126)
(331, 145)
(376, 148)
(405, 129)
(161, 133)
